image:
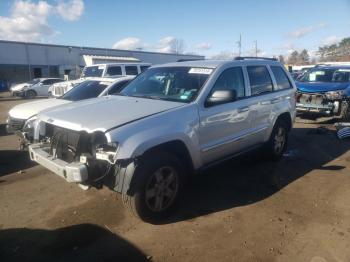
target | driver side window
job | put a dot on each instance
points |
(231, 79)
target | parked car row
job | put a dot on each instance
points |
(169, 122)
(55, 87)
(22, 117)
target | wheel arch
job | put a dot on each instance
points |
(286, 118)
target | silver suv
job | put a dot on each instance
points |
(171, 121)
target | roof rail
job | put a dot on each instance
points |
(253, 57)
(189, 60)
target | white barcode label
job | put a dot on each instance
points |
(204, 71)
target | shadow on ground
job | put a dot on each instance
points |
(250, 178)
(12, 161)
(84, 242)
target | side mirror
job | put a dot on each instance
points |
(221, 97)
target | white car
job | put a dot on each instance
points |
(21, 117)
(173, 120)
(99, 70)
(36, 87)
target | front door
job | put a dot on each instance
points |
(224, 128)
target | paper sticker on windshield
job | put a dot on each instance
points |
(312, 77)
(344, 70)
(203, 71)
(320, 73)
(101, 67)
(105, 83)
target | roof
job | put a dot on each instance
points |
(217, 63)
(98, 48)
(120, 63)
(113, 58)
(333, 66)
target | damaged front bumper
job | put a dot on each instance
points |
(317, 103)
(119, 178)
(72, 172)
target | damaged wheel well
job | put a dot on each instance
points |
(177, 148)
(286, 118)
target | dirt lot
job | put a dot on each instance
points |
(244, 210)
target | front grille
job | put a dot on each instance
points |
(68, 145)
(315, 99)
(59, 90)
(15, 123)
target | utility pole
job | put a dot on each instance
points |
(240, 45)
(256, 48)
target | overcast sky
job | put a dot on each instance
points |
(206, 27)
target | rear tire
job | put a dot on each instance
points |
(30, 94)
(159, 182)
(277, 143)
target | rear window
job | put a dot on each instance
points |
(259, 79)
(281, 78)
(131, 70)
(85, 90)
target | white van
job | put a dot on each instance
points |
(114, 70)
(99, 70)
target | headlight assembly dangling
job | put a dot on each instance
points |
(333, 95)
(30, 123)
(107, 152)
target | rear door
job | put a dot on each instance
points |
(224, 128)
(262, 97)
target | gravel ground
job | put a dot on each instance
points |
(243, 210)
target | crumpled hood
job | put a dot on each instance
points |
(104, 113)
(27, 110)
(320, 87)
(19, 87)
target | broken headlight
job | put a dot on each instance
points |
(334, 95)
(30, 124)
(107, 152)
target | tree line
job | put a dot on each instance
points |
(339, 52)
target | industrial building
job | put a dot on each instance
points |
(21, 61)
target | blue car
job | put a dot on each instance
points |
(325, 90)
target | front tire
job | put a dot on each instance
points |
(30, 94)
(278, 141)
(159, 182)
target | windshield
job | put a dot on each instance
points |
(326, 75)
(34, 81)
(93, 71)
(85, 90)
(180, 84)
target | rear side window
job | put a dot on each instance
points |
(143, 68)
(131, 70)
(281, 78)
(114, 71)
(259, 79)
(231, 79)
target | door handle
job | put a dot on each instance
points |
(264, 103)
(243, 109)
